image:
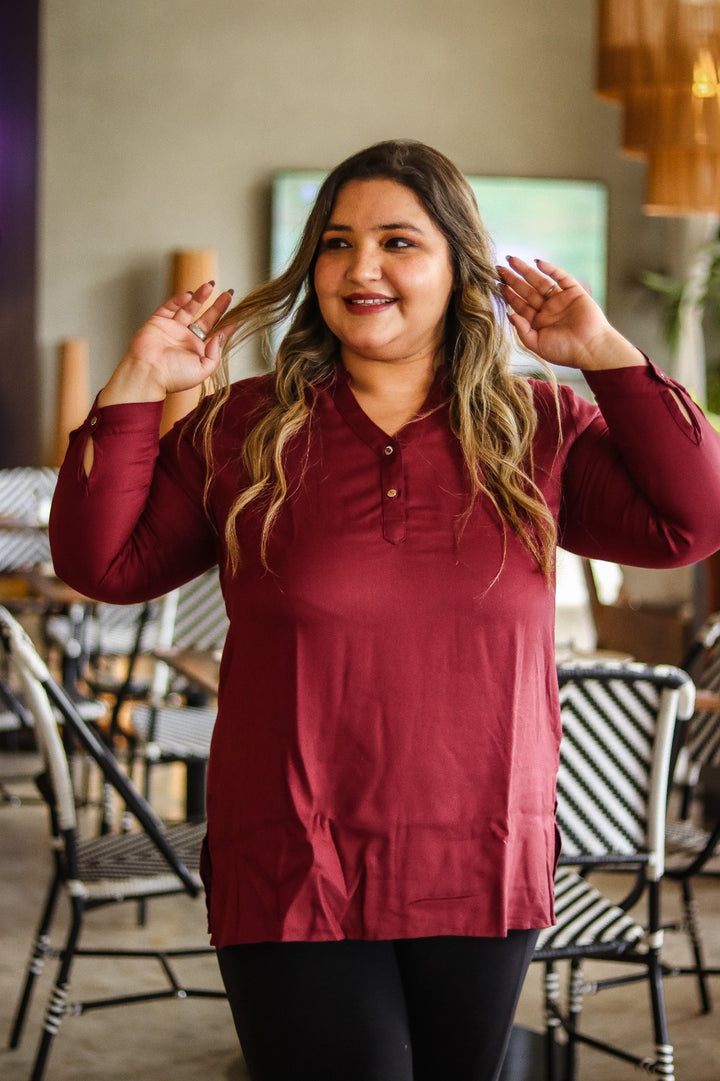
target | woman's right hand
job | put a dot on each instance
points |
(164, 356)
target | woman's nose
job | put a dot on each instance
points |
(365, 264)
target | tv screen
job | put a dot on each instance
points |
(564, 221)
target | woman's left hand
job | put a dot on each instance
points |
(558, 319)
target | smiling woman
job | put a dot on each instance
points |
(385, 508)
(383, 278)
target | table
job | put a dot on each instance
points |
(9, 521)
(59, 596)
(568, 655)
(201, 667)
(53, 590)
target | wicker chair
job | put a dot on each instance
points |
(16, 725)
(25, 495)
(100, 871)
(615, 757)
(694, 850)
(176, 724)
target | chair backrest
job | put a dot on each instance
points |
(25, 491)
(108, 630)
(46, 699)
(117, 630)
(192, 617)
(702, 741)
(13, 714)
(25, 495)
(615, 754)
(201, 620)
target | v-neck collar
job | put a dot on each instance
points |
(368, 431)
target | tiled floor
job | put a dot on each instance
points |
(194, 1039)
(175, 1040)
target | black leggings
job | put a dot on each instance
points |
(409, 1010)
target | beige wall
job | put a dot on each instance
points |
(163, 121)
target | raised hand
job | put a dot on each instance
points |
(165, 355)
(556, 318)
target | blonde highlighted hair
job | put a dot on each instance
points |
(491, 408)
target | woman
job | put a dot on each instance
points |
(384, 509)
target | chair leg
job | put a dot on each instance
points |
(575, 1005)
(552, 1021)
(36, 963)
(692, 927)
(58, 999)
(664, 1052)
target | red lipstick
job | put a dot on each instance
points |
(368, 303)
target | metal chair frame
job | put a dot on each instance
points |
(168, 729)
(154, 861)
(15, 720)
(615, 757)
(690, 848)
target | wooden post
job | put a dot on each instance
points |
(73, 392)
(189, 269)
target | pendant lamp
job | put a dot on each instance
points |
(660, 61)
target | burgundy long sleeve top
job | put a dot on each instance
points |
(384, 757)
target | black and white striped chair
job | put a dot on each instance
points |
(176, 724)
(25, 496)
(100, 645)
(618, 728)
(15, 723)
(692, 849)
(151, 861)
(194, 617)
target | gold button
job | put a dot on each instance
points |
(389, 450)
(93, 420)
(391, 493)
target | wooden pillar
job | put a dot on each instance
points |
(73, 392)
(189, 269)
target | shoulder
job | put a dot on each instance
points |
(243, 405)
(246, 402)
(563, 407)
(247, 394)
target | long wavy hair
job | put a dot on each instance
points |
(490, 407)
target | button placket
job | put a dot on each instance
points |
(393, 502)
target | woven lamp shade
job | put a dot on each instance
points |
(660, 60)
(682, 182)
(630, 45)
(669, 116)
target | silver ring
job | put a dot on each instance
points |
(549, 292)
(197, 331)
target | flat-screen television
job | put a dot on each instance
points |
(564, 221)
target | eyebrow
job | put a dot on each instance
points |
(336, 227)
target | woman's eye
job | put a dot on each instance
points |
(399, 242)
(332, 243)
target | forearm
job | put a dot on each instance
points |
(134, 527)
(609, 350)
(133, 381)
(646, 490)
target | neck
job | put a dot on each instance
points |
(391, 394)
(385, 379)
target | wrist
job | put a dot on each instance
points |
(132, 381)
(612, 350)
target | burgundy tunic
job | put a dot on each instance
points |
(383, 763)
